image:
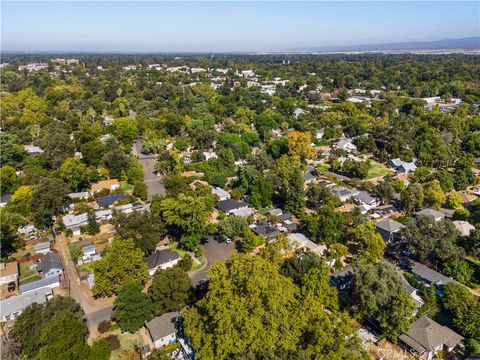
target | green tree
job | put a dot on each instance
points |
(132, 308)
(170, 290)
(8, 180)
(21, 201)
(100, 350)
(434, 195)
(249, 305)
(326, 225)
(122, 264)
(74, 173)
(295, 202)
(251, 241)
(64, 338)
(135, 171)
(140, 189)
(370, 243)
(413, 197)
(232, 226)
(125, 129)
(454, 201)
(49, 194)
(92, 226)
(379, 293)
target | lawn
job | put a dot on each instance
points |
(86, 267)
(127, 341)
(27, 275)
(377, 170)
(182, 253)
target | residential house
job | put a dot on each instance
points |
(111, 184)
(33, 150)
(108, 200)
(275, 212)
(90, 254)
(466, 197)
(5, 199)
(27, 230)
(265, 229)
(300, 241)
(124, 209)
(365, 200)
(389, 229)
(79, 195)
(229, 205)
(346, 144)
(402, 166)
(429, 275)
(243, 212)
(163, 329)
(42, 248)
(221, 194)
(50, 265)
(437, 215)
(163, 259)
(13, 306)
(8, 272)
(103, 215)
(464, 227)
(426, 338)
(47, 283)
(210, 155)
(75, 222)
(343, 193)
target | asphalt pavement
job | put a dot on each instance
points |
(154, 183)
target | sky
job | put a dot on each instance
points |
(160, 26)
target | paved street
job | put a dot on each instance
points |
(153, 182)
(213, 250)
(96, 310)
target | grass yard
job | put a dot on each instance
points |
(377, 170)
(126, 186)
(86, 267)
(127, 341)
(182, 253)
(27, 275)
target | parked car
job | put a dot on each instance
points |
(11, 286)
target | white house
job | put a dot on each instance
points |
(220, 193)
(42, 248)
(74, 222)
(13, 306)
(346, 144)
(210, 155)
(163, 329)
(50, 265)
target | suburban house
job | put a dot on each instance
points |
(4, 200)
(429, 275)
(389, 229)
(33, 150)
(426, 338)
(42, 248)
(111, 184)
(108, 200)
(8, 272)
(75, 222)
(343, 193)
(229, 205)
(437, 215)
(221, 194)
(13, 306)
(79, 195)
(27, 230)
(366, 200)
(265, 229)
(300, 241)
(402, 166)
(47, 283)
(346, 144)
(163, 329)
(464, 227)
(163, 259)
(103, 215)
(210, 155)
(108, 120)
(50, 265)
(89, 254)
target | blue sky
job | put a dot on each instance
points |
(227, 26)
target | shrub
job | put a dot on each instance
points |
(104, 326)
(113, 341)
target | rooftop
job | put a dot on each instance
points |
(160, 257)
(17, 303)
(50, 261)
(432, 276)
(7, 269)
(163, 325)
(231, 204)
(389, 225)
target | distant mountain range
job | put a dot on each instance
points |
(470, 43)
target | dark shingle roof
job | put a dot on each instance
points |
(426, 334)
(50, 261)
(265, 228)
(230, 204)
(160, 257)
(432, 276)
(104, 201)
(389, 225)
(163, 325)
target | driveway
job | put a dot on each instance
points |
(96, 310)
(154, 183)
(213, 250)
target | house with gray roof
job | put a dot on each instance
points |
(220, 193)
(402, 166)
(366, 200)
(50, 265)
(346, 144)
(229, 205)
(79, 195)
(42, 248)
(437, 215)
(425, 338)
(389, 229)
(343, 193)
(163, 259)
(163, 329)
(13, 306)
(429, 275)
(47, 283)
(75, 222)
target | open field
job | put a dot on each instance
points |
(377, 170)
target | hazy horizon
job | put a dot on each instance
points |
(227, 26)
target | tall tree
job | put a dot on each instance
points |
(122, 264)
(295, 202)
(170, 290)
(132, 308)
